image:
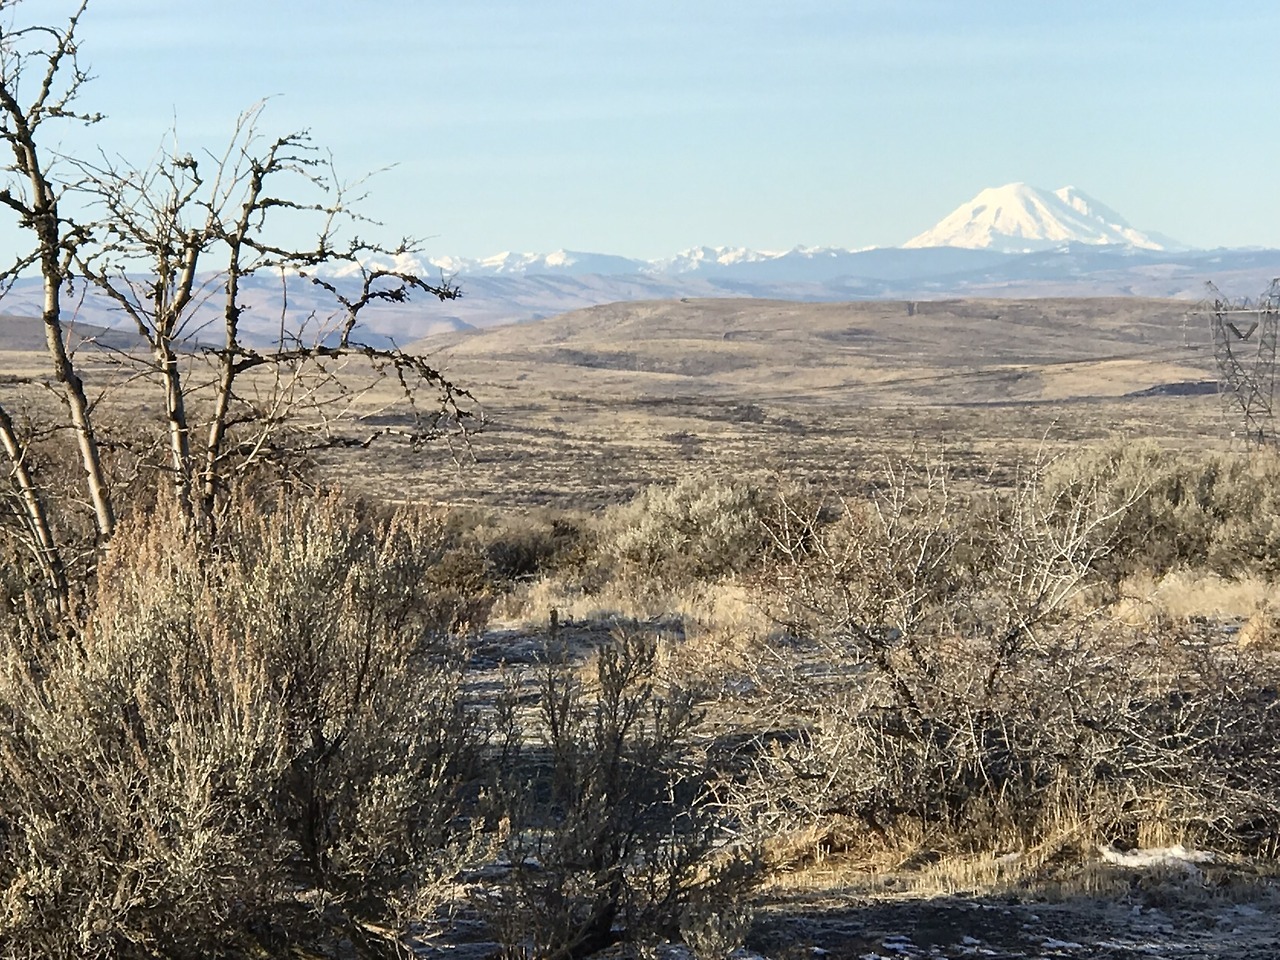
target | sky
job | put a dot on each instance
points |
(645, 128)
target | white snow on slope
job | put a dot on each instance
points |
(1018, 218)
(702, 258)
(1175, 856)
(570, 262)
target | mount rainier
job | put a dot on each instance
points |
(1018, 218)
(1011, 241)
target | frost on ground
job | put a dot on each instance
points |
(1168, 919)
(1156, 903)
(1151, 924)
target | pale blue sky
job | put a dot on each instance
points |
(642, 128)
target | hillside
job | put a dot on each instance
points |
(938, 352)
(596, 403)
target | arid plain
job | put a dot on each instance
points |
(587, 407)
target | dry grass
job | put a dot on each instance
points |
(864, 351)
(1185, 594)
(590, 407)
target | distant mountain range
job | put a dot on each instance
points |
(1012, 219)
(1010, 241)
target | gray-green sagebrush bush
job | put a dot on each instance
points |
(699, 528)
(949, 680)
(1209, 510)
(241, 746)
(610, 829)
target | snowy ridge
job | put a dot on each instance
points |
(1078, 270)
(1013, 219)
(707, 258)
(569, 262)
(573, 263)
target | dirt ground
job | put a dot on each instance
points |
(1164, 921)
(1169, 920)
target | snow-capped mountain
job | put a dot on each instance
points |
(1012, 241)
(708, 259)
(577, 263)
(1013, 219)
(1018, 218)
(570, 263)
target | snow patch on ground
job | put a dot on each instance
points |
(1175, 856)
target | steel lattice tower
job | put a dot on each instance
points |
(1244, 346)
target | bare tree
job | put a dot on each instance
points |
(176, 252)
(173, 244)
(44, 58)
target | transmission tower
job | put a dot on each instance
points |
(1244, 346)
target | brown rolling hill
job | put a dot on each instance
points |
(588, 406)
(943, 352)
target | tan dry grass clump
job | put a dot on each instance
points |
(1261, 632)
(711, 634)
(1184, 594)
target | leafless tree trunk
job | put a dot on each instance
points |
(35, 514)
(34, 196)
(143, 219)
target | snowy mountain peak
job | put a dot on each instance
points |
(1013, 219)
(1019, 218)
